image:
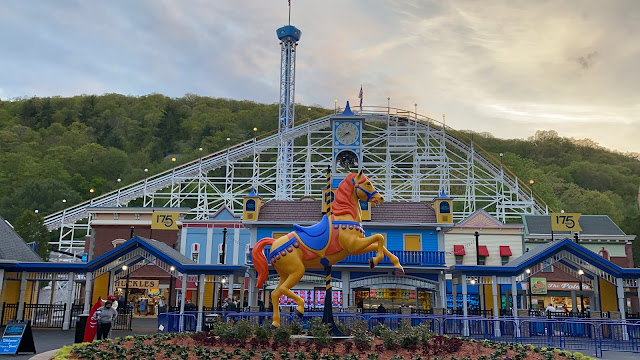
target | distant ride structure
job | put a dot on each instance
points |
(410, 157)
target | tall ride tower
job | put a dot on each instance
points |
(289, 36)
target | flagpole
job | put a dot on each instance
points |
(289, 12)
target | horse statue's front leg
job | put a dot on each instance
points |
(375, 243)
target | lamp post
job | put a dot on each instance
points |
(528, 271)
(580, 273)
(222, 282)
(126, 288)
(477, 235)
(533, 199)
(224, 246)
(171, 282)
(335, 106)
(118, 197)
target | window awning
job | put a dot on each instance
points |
(458, 250)
(483, 251)
(505, 251)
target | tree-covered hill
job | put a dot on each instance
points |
(59, 148)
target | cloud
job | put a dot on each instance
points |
(505, 67)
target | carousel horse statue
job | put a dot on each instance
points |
(336, 236)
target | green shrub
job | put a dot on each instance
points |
(319, 331)
(263, 332)
(282, 334)
(243, 330)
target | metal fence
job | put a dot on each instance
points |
(9, 312)
(597, 335)
(45, 315)
(618, 336)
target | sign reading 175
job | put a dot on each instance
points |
(164, 221)
(565, 222)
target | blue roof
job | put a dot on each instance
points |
(442, 195)
(289, 31)
(252, 193)
(156, 248)
(542, 252)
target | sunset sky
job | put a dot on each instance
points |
(505, 67)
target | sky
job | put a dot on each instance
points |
(504, 67)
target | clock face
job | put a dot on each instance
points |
(347, 133)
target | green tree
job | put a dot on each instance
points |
(30, 226)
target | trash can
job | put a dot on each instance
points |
(81, 323)
(209, 320)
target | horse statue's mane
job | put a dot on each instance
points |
(343, 202)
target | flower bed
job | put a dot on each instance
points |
(243, 341)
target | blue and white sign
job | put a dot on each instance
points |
(11, 338)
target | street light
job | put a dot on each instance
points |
(126, 288)
(222, 282)
(118, 198)
(477, 235)
(335, 106)
(528, 271)
(580, 273)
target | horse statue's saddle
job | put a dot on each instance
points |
(315, 236)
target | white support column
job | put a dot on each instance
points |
(346, 289)
(637, 283)
(454, 294)
(514, 298)
(443, 291)
(623, 313)
(496, 311)
(112, 282)
(67, 315)
(88, 284)
(465, 330)
(23, 290)
(183, 299)
(200, 302)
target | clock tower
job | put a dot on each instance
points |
(347, 143)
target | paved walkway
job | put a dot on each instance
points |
(51, 339)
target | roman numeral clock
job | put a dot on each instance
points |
(347, 144)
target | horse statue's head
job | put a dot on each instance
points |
(353, 188)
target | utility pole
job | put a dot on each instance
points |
(477, 235)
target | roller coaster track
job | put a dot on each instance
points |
(248, 148)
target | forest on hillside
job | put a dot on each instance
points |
(59, 148)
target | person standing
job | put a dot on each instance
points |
(142, 307)
(105, 316)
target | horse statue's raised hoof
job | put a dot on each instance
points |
(273, 327)
(371, 264)
(398, 271)
(298, 314)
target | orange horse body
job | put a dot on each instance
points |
(324, 244)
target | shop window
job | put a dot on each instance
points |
(505, 259)
(445, 208)
(195, 252)
(459, 259)
(482, 260)
(412, 243)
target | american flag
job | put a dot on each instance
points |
(360, 96)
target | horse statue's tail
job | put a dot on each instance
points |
(260, 261)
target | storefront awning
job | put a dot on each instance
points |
(505, 251)
(483, 251)
(458, 250)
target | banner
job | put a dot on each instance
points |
(138, 284)
(164, 221)
(538, 286)
(565, 222)
(91, 328)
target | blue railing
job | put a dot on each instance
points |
(407, 258)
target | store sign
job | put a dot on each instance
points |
(568, 286)
(138, 284)
(164, 221)
(538, 286)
